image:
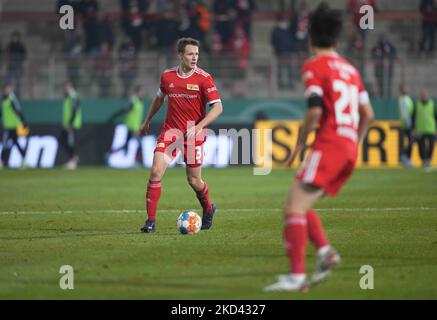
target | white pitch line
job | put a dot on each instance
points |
(222, 210)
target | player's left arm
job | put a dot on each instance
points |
(213, 99)
(215, 111)
(211, 95)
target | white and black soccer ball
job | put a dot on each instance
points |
(189, 222)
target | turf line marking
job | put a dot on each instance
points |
(223, 210)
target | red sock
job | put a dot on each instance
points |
(204, 199)
(152, 195)
(296, 237)
(315, 230)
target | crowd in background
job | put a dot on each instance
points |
(289, 41)
(153, 25)
(224, 27)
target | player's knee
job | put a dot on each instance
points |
(156, 174)
(295, 210)
(194, 181)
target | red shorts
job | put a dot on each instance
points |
(193, 152)
(327, 169)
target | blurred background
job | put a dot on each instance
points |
(253, 48)
(120, 42)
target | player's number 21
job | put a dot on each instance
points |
(349, 96)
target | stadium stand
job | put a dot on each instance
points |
(46, 65)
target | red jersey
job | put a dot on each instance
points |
(187, 97)
(339, 84)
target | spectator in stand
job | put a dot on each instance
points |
(88, 10)
(199, 22)
(68, 37)
(353, 7)
(216, 45)
(428, 8)
(106, 34)
(16, 54)
(357, 52)
(103, 69)
(72, 3)
(125, 5)
(133, 23)
(218, 64)
(167, 33)
(73, 55)
(154, 10)
(299, 29)
(283, 42)
(224, 16)
(127, 57)
(244, 10)
(239, 49)
(384, 57)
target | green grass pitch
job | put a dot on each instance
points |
(90, 219)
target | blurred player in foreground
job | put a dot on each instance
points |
(339, 104)
(189, 89)
(14, 124)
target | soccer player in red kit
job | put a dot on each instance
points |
(339, 107)
(189, 90)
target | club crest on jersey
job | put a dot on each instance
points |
(194, 87)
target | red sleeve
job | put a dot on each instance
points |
(312, 80)
(363, 94)
(209, 91)
(162, 91)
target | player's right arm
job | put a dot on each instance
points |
(154, 108)
(310, 123)
(314, 94)
(367, 116)
(157, 103)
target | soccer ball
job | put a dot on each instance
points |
(189, 222)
